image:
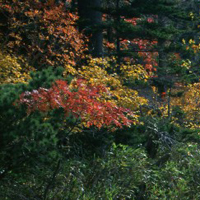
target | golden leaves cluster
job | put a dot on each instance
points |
(44, 32)
(13, 69)
(133, 72)
(189, 102)
(96, 72)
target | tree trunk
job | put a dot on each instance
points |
(118, 39)
(90, 24)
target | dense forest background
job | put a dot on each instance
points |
(99, 100)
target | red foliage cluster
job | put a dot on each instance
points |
(144, 47)
(145, 51)
(82, 103)
(132, 20)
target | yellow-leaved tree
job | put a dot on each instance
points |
(97, 72)
(189, 103)
(13, 69)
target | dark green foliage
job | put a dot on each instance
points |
(51, 156)
(166, 22)
(41, 158)
(45, 78)
(24, 138)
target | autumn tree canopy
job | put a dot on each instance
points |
(45, 32)
(99, 100)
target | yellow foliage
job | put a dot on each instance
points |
(69, 70)
(191, 14)
(96, 73)
(191, 44)
(189, 102)
(13, 69)
(186, 63)
(191, 41)
(134, 72)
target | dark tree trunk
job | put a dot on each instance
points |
(90, 24)
(118, 39)
(162, 62)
